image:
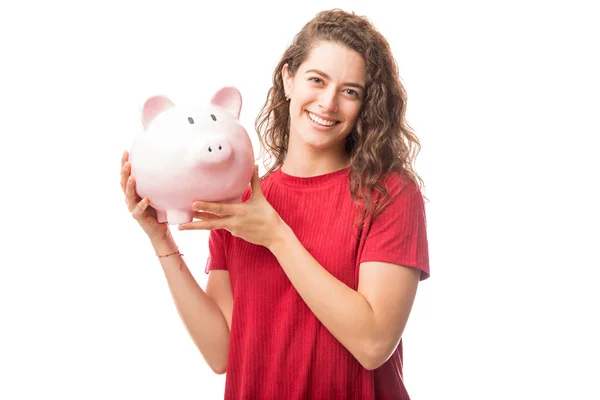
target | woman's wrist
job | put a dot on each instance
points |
(282, 235)
(164, 245)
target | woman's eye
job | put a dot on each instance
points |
(352, 92)
(316, 80)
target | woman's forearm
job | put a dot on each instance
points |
(200, 314)
(343, 311)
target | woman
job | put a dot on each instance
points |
(312, 278)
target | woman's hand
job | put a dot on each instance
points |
(139, 208)
(254, 220)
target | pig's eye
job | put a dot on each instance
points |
(190, 120)
(213, 117)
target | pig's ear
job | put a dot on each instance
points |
(230, 99)
(154, 106)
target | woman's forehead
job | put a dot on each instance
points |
(337, 62)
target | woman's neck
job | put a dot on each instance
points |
(313, 164)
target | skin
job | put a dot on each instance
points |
(368, 322)
(329, 90)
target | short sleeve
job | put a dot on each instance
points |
(398, 234)
(217, 250)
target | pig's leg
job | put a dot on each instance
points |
(161, 216)
(176, 217)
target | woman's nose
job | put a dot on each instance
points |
(328, 101)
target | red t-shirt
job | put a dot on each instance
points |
(278, 348)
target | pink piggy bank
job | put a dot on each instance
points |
(188, 154)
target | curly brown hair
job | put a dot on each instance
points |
(382, 141)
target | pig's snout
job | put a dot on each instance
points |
(216, 151)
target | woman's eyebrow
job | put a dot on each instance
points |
(324, 75)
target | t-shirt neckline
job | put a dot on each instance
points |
(310, 181)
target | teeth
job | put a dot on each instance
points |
(320, 121)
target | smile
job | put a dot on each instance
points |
(320, 121)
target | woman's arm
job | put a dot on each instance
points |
(368, 322)
(206, 315)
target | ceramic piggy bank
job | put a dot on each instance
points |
(188, 154)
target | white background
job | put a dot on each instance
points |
(503, 96)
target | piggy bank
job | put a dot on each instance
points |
(188, 154)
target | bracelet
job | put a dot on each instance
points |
(170, 254)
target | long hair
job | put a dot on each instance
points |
(381, 141)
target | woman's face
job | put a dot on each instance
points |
(326, 93)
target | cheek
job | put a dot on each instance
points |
(295, 110)
(304, 96)
(352, 113)
(299, 99)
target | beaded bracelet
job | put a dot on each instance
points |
(170, 254)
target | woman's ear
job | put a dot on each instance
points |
(288, 80)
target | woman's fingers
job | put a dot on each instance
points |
(125, 170)
(130, 194)
(124, 176)
(128, 184)
(139, 209)
(204, 216)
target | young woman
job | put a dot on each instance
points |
(312, 278)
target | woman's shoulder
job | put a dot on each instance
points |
(398, 183)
